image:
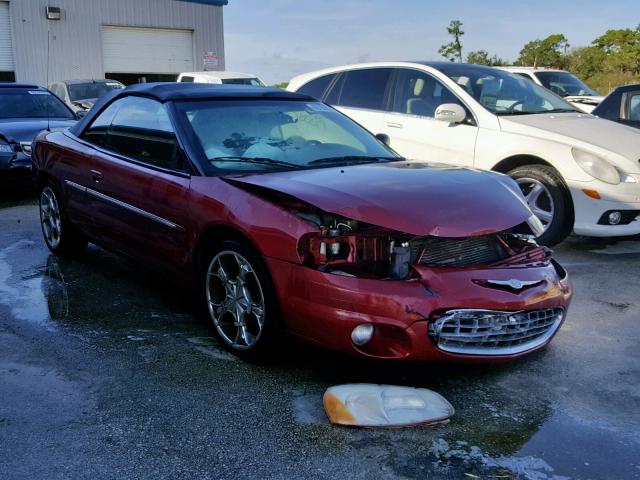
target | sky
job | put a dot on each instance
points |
(278, 39)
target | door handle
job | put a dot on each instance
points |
(96, 175)
(394, 125)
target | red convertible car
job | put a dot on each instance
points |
(289, 217)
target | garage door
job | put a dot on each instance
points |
(148, 50)
(6, 47)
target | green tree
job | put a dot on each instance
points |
(453, 49)
(482, 57)
(621, 49)
(585, 62)
(548, 52)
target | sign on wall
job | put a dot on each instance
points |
(209, 61)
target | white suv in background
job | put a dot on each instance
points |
(226, 78)
(577, 172)
(562, 83)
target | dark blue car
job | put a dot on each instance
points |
(26, 110)
(622, 106)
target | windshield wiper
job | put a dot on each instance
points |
(555, 110)
(257, 160)
(506, 114)
(352, 159)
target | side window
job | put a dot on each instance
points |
(418, 93)
(525, 75)
(332, 96)
(141, 130)
(97, 132)
(365, 88)
(613, 107)
(634, 106)
(187, 79)
(316, 87)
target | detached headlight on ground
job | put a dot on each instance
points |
(598, 167)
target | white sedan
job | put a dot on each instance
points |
(577, 172)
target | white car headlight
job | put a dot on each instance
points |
(597, 167)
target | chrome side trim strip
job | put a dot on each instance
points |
(126, 206)
(76, 186)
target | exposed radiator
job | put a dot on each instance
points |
(458, 252)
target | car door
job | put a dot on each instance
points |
(412, 128)
(139, 184)
(362, 95)
(630, 112)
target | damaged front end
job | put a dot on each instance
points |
(351, 248)
(384, 293)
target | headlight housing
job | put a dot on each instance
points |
(598, 167)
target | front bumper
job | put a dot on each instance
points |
(589, 211)
(324, 308)
(15, 164)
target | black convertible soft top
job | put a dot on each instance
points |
(164, 92)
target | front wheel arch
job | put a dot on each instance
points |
(212, 237)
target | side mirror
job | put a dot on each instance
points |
(384, 138)
(81, 113)
(450, 113)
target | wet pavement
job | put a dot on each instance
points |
(107, 372)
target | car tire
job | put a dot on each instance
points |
(250, 296)
(554, 198)
(60, 235)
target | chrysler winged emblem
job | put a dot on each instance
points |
(514, 283)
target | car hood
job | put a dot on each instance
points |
(26, 129)
(617, 143)
(410, 197)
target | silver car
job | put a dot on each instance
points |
(80, 95)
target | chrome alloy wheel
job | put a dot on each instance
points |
(538, 198)
(235, 300)
(50, 217)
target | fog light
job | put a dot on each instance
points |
(615, 218)
(362, 334)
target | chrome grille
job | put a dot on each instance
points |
(458, 252)
(491, 332)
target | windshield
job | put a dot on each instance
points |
(82, 91)
(243, 81)
(22, 103)
(266, 135)
(503, 93)
(564, 84)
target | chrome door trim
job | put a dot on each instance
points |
(126, 206)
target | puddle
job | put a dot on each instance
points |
(563, 447)
(308, 409)
(26, 298)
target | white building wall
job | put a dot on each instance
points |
(75, 41)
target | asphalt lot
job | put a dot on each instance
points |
(105, 372)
